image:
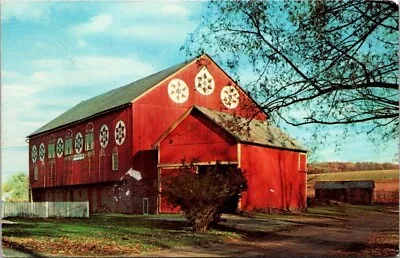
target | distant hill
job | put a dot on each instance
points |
(334, 167)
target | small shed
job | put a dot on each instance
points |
(354, 192)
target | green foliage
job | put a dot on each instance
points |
(17, 187)
(202, 195)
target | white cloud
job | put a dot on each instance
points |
(85, 70)
(96, 24)
(10, 75)
(40, 44)
(167, 33)
(81, 44)
(173, 9)
(151, 10)
(25, 11)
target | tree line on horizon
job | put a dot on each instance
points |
(334, 167)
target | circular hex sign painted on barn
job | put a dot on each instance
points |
(230, 96)
(120, 132)
(204, 82)
(42, 152)
(34, 154)
(178, 91)
(60, 147)
(78, 143)
(104, 135)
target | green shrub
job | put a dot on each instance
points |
(203, 192)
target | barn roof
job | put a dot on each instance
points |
(243, 130)
(344, 184)
(110, 100)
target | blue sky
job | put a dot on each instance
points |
(55, 55)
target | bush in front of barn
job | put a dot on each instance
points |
(204, 195)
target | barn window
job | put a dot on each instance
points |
(51, 151)
(89, 142)
(51, 147)
(89, 137)
(115, 159)
(36, 173)
(302, 162)
(68, 143)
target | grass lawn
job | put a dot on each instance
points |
(118, 234)
(355, 175)
(105, 234)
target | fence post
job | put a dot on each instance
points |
(87, 207)
(47, 209)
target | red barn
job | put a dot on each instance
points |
(114, 148)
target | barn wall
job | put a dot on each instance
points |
(275, 178)
(93, 168)
(199, 138)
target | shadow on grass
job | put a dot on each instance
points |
(255, 235)
(20, 248)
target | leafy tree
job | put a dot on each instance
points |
(334, 60)
(17, 186)
(202, 195)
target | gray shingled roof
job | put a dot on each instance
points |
(110, 100)
(252, 130)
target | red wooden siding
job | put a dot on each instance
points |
(93, 168)
(274, 178)
(197, 137)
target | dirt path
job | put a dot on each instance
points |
(304, 236)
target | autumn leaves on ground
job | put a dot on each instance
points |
(342, 230)
(106, 234)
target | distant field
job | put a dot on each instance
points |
(355, 175)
